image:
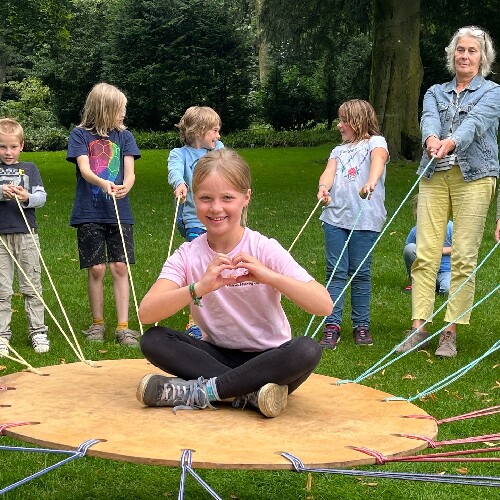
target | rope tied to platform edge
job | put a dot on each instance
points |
(464, 416)
(436, 444)
(447, 456)
(489, 481)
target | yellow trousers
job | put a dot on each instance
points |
(446, 195)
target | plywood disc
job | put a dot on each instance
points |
(76, 402)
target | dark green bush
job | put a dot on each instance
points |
(252, 138)
(45, 138)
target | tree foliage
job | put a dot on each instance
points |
(27, 25)
(171, 54)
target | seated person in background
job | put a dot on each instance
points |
(410, 252)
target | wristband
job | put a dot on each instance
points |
(196, 299)
(324, 185)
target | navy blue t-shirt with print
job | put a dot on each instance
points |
(106, 156)
(27, 175)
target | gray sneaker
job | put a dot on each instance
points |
(447, 347)
(412, 339)
(95, 333)
(128, 337)
(159, 390)
(270, 399)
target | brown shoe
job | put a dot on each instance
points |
(447, 347)
(413, 337)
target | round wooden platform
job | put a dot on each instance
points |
(76, 402)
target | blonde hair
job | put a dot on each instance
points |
(102, 106)
(10, 126)
(230, 166)
(196, 122)
(485, 46)
(361, 117)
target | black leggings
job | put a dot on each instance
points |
(238, 372)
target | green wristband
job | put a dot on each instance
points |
(196, 299)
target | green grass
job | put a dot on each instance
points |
(284, 190)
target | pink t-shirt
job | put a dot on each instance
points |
(246, 316)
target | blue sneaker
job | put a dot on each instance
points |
(193, 330)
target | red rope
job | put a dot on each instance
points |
(13, 424)
(434, 444)
(478, 413)
(450, 456)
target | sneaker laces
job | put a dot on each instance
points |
(190, 397)
(362, 332)
(330, 330)
(446, 339)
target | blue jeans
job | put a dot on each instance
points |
(443, 278)
(359, 245)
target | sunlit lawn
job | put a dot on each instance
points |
(284, 189)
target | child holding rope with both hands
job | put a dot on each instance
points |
(104, 153)
(21, 192)
(232, 278)
(355, 170)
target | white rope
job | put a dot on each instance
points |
(18, 358)
(81, 357)
(41, 300)
(304, 226)
(127, 262)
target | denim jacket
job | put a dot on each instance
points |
(472, 124)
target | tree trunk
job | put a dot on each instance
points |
(3, 66)
(263, 45)
(396, 74)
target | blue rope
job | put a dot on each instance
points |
(490, 481)
(80, 452)
(186, 464)
(376, 367)
(378, 238)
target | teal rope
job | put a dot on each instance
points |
(455, 376)
(363, 206)
(376, 367)
(378, 238)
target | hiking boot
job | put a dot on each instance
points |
(331, 337)
(193, 330)
(40, 342)
(95, 333)
(4, 347)
(408, 288)
(447, 347)
(362, 336)
(412, 339)
(270, 399)
(159, 390)
(127, 337)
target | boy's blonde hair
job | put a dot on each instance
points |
(196, 122)
(102, 106)
(361, 117)
(10, 126)
(230, 166)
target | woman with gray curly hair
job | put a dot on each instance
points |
(459, 128)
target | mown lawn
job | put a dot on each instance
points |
(284, 190)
